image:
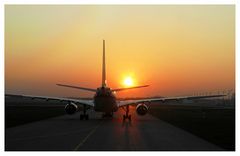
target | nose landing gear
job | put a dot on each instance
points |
(127, 116)
(107, 115)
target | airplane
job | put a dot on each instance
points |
(105, 100)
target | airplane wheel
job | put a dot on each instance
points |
(124, 117)
(130, 117)
(86, 117)
(81, 117)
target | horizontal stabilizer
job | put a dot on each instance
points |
(121, 89)
(76, 87)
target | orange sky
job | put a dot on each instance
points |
(178, 49)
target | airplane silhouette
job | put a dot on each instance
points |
(105, 99)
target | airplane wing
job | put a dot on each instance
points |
(76, 101)
(121, 89)
(132, 102)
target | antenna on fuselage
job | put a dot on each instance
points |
(104, 81)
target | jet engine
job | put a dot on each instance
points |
(71, 108)
(141, 109)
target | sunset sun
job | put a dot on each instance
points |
(128, 81)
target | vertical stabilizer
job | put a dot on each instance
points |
(104, 67)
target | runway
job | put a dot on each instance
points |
(68, 133)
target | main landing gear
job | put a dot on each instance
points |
(127, 116)
(84, 115)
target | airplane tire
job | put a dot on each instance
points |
(81, 117)
(86, 117)
(130, 117)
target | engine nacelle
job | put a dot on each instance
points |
(71, 108)
(141, 109)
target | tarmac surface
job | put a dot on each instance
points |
(68, 133)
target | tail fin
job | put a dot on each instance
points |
(104, 81)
